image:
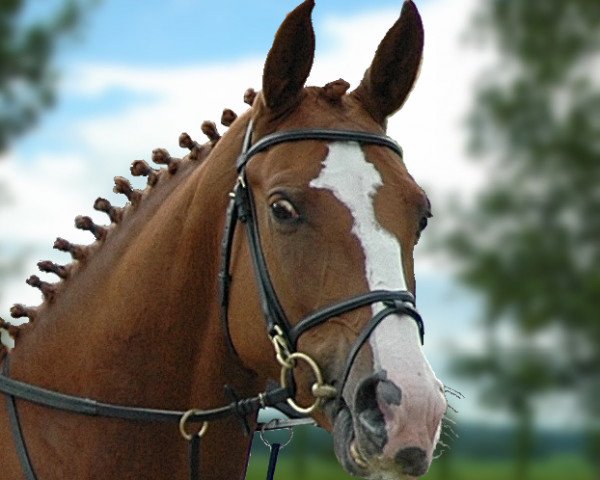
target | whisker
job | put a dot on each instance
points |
(440, 449)
(453, 392)
(445, 445)
(449, 432)
(439, 454)
(451, 436)
(449, 420)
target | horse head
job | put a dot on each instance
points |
(331, 218)
(339, 218)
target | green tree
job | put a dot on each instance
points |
(530, 242)
(27, 52)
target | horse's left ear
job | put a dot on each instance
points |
(393, 72)
(290, 59)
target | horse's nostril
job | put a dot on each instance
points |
(413, 461)
(366, 394)
(371, 423)
(389, 393)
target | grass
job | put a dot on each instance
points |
(557, 468)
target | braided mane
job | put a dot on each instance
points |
(158, 187)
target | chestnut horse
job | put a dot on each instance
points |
(137, 318)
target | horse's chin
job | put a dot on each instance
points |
(349, 451)
(345, 447)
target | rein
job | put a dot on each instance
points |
(283, 335)
(15, 389)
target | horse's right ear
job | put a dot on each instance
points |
(290, 59)
(393, 72)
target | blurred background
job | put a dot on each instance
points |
(502, 130)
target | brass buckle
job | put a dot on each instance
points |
(282, 350)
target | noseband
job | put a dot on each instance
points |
(283, 335)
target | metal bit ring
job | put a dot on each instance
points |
(285, 369)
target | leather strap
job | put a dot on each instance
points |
(17, 433)
(194, 457)
(86, 406)
(275, 447)
(392, 307)
(14, 389)
(271, 307)
(351, 304)
(231, 220)
(242, 208)
(315, 134)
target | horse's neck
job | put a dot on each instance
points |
(138, 324)
(141, 317)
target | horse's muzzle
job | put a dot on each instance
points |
(378, 436)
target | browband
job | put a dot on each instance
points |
(313, 134)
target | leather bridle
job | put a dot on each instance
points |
(279, 328)
(282, 333)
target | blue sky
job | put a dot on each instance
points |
(139, 73)
(175, 32)
(170, 34)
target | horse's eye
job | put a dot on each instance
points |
(422, 225)
(284, 211)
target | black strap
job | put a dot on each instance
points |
(353, 303)
(231, 220)
(85, 406)
(275, 447)
(17, 433)
(271, 307)
(14, 389)
(393, 307)
(316, 134)
(194, 446)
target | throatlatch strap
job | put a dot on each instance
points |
(17, 433)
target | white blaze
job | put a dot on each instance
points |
(354, 182)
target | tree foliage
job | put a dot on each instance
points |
(531, 241)
(27, 58)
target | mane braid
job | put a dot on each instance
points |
(18, 310)
(335, 90)
(80, 254)
(13, 330)
(48, 290)
(210, 130)
(60, 271)
(228, 117)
